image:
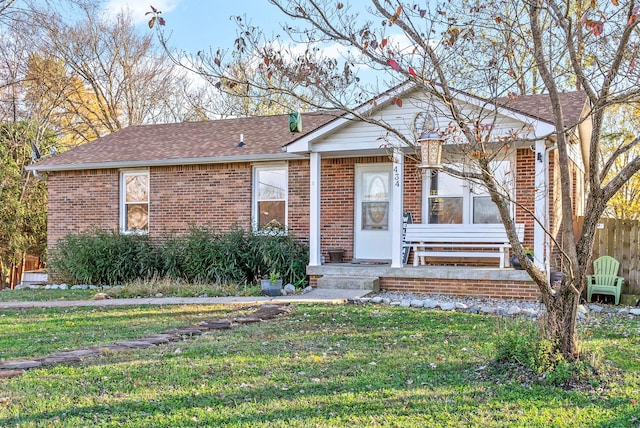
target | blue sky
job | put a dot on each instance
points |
(201, 24)
(195, 25)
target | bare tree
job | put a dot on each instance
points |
(247, 88)
(69, 75)
(496, 49)
(5, 8)
(114, 76)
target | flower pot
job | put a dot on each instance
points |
(516, 263)
(555, 277)
(336, 255)
(271, 289)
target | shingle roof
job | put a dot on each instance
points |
(539, 106)
(217, 140)
(184, 142)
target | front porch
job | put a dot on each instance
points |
(477, 281)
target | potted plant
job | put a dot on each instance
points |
(516, 263)
(272, 285)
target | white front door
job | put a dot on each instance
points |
(372, 235)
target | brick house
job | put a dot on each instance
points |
(252, 172)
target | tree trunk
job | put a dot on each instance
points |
(560, 323)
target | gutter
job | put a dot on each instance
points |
(165, 162)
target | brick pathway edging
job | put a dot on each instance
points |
(9, 369)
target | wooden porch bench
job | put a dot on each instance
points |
(459, 240)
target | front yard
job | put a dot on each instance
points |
(365, 365)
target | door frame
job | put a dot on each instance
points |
(357, 196)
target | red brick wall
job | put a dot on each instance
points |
(519, 290)
(555, 213)
(217, 195)
(478, 288)
(337, 211)
(525, 192)
(299, 177)
(81, 200)
(413, 189)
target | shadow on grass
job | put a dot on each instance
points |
(47, 330)
(450, 394)
(300, 373)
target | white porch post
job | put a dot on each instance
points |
(397, 195)
(315, 255)
(540, 205)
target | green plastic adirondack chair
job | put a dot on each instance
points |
(605, 279)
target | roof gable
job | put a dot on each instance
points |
(267, 137)
(531, 109)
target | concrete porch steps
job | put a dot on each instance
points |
(350, 282)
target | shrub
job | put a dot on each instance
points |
(200, 256)
(520, 342)
(274, 252)
(102, 257)
(516, 343)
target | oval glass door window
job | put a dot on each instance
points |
(375, 202)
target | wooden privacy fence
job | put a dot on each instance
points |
(28, 263)
(620, 239)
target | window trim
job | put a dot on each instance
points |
(468, 194)
(123, 201)
(255, 215)
(458, 193)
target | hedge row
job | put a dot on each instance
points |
(201, 256)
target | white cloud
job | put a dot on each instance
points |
(138, 8)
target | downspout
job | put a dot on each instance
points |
(37, 175)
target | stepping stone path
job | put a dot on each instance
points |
(9, 369)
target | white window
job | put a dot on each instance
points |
(270, 192)
(445, 199)
(134, 202)
(453, 200)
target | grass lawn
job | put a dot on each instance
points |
(27, 295)
(142, 288)
(340, 366)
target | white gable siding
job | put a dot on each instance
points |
(575, 154)
(357, 135)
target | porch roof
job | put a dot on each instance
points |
(537, 108)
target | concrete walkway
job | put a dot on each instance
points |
(333, 296)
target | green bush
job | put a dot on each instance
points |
(516, 342)
(520, 342)
(102, 257)
(199, 256)
(202, 256)
(277, 252)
